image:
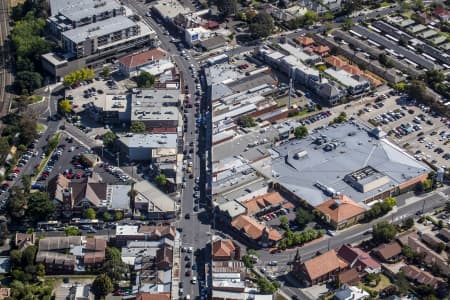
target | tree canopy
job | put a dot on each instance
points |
(65, 106)
(246, 121)
(102, 286)
(300, 132)
(261, 25)
(109, 138)
(78, 76)
(26, 81)
(145, 80)
(161, 180)
(227, 7)
(89, 213)
(137, 127)
(383, 232)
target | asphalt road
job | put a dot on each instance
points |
(195, 232)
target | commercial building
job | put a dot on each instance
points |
(143, 147)
(70, 14)
(354, 84)
(341, 211)
(152, 203)
(345, 159)
(130, 65)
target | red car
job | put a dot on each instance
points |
(79, 175)
(17, 171)
(69, 176)
(37, 166)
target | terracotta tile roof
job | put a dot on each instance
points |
(158, 231)
(305, 41)
(387, 251)
(350, 276)
(258, 203)
(341, 210)
(324, 264)
(441, 12)
(354, 255)
(322, 49)
(422, 277)
(373, 80)
(94, 257)
(149, 296)
(139, 59)
(221, 248)
(352, 69)
(254, 229)
(335, 61)
(95, 244)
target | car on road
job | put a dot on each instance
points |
(187, 216)
(194, 280)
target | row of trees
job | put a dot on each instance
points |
(78, 76)
(299, 238)
(380, 209)
(23, 206)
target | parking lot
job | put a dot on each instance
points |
(412, 126)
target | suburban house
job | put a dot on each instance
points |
(65, 255)
(349, 277)
(388, 253)
(225, 250)
(255, 232)
(359, 259)
(421, 277)
(341, 211)
(152, 296)
(322, 268)
(130, 65)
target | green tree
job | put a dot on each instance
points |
(137, 127)
(340, 119)
(303, 217)
(4, 148)
(227, 7)
(78, 76)
(247, 260)
(28, 255)
(26, 182)
(266, 287)
(300, 132)
(113, 254)
(106, 71)
(65, 106)
(107, 216)
(284, 221)
(89, 213)
(145, 80)
(26, 82)
(246, 121)
(383, 232)
(17, 203)
(400, 86)
(384, 60)
(161, 180)
(109, 138)
(427, 184)
(261, 25)
(40, 207)
(15, 257)
(72, 231)
(118, 215)
(24, 64)
(408, 223)
(348, 24)
(102, 286)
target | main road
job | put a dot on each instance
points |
(195, 233)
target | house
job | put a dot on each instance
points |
(322, 268)
(359, 259)
(24, 240)
(224, 250)
(442, 13)
(264, 204)
(421, 277)
(351, 293)
(305, 41)
(256, 232)
(63, 255)
(164, 258)
(349, 277)
(388, 253)
(130, 65)
(431, 240)
(322, 50)
(341, 211)
(444, 233)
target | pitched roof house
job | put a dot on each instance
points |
(388, 252)
(256, 232)
(24, 240)
(359, 259)
(263, 202)
(130, 64)
(341, 211)
(322, 268)
(224, 250)
(421, 277)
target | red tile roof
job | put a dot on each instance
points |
(340, 209)
(305, 41)
(150, 296)
(354, 255)
(324, 264)
(335, 61)
(223, 248)
(260, 202)
(254, 229)
(322, 49)
(139, 59)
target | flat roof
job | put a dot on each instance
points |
(298, 52)
(119, 103)
(150, 140)
(343, 77)
(155, 97)
(97, 29)
(301, 165)
(78, 9)
(158, 113)
(117, 196)
(170, 9)
(158, 201)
